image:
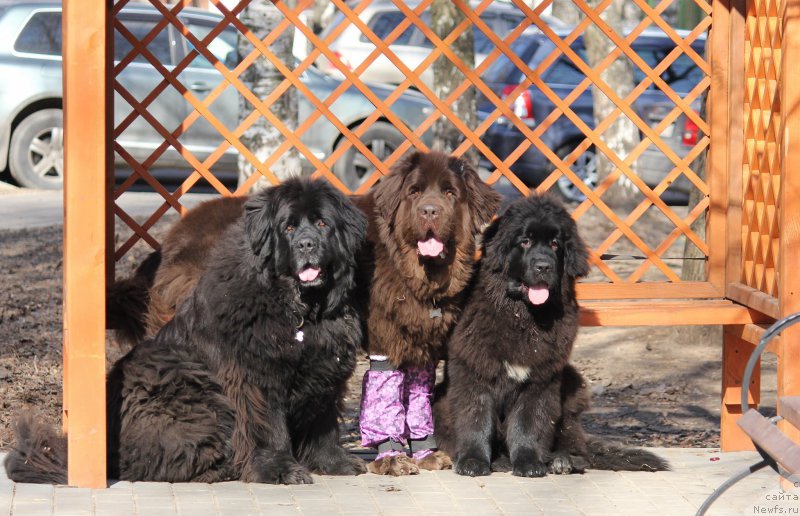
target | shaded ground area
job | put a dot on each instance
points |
(651, 386)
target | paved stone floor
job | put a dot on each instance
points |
(697, 472)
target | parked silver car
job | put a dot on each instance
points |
(412, 47)
(31, 142)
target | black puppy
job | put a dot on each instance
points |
(245, 381)
(509, 391)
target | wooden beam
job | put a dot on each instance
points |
(752, 334)
(735, 354)
(748, 296)
(789, 222)
(648, 290)
(667, 313)
(87, 113)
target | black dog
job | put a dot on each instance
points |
(510, 392)
(245, 381)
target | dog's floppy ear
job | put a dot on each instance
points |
(351, 223)
(576, 255)
(349, 232)
(482, 200)
(260, 212)
(387, 192)
(493, 253)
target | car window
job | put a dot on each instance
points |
(483, 45)
(41, 35)
(682, 75)
(383, 23)
(159, 47)
(223, 47)
(503, 69)
(564, 71)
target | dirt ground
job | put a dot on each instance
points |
(652, 386)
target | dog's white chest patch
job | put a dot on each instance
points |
(516, 372)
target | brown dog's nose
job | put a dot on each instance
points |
(429, 211)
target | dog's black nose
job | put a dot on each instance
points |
(429, 211)
(306, 244)
(542, 266)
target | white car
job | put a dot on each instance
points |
(382, 16)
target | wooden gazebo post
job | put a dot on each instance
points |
(88, 108)
(789, 221)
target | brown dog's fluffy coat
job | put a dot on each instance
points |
(403, 286)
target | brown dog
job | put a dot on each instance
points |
(424, 219)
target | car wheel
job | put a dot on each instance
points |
(353, 168)
(585, 167)
(36, 155)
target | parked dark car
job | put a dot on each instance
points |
(31, 120)
(563, 136)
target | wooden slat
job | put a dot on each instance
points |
(88, 113)
(647, 290)
(724, 163)
(755, 299)
(771, 440)
(666, 313)
(790, 409)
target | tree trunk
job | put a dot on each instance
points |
(566, 11)
(623, 135)
(262, 77)
(445, 16)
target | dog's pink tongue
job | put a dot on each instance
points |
(430, 247)
(309, 274)
(537, 296)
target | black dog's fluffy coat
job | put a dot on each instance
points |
(227, 390)
(509, 391)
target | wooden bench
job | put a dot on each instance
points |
(766, 435)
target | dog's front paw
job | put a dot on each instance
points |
(561, 465)
(295, 474)
(435, 461)
(529, 468)
(277, 470)
(472, 467)
(394, 465)
(344, 465)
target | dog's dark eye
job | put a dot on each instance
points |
(554, 244)
(526, 243)
(413, 191)
(289, 229)
(450, 193)
(321, 223)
